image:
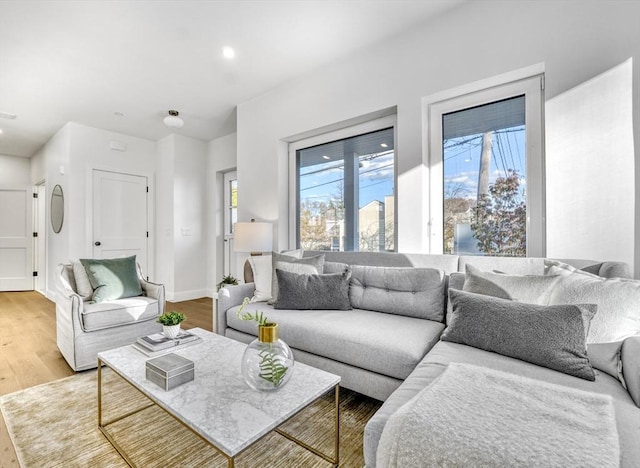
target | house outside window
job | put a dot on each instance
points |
(345, 189)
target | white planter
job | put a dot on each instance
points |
(171, 331)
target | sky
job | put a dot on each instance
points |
(322, 182)
(461, 164)
(462, 159)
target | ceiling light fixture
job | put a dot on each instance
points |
(8, 115)
(173, 120)
(326, 157)
(228, 52)
(384, 145)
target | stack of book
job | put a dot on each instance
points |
(157, 344)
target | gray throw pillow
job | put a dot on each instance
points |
(532, 289)
(549, 336)
(313, 292)
(277, 259)
(112, 278)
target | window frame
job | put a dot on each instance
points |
(532, 87)
(328, 137)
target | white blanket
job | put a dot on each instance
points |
(478, 417)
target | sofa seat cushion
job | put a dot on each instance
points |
(434, 363)
(388, 344)
(97, 316)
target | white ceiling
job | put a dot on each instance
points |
(83, 61)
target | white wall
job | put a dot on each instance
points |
(590, 137)
(46, 165)
(165, 268)
(190, 218)
(221, 158)
(182, 217)
(14, 171)
(576, 40)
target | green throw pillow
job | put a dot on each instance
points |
(112, 278)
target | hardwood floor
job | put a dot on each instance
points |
(28, 352)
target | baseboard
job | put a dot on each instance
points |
(186, 295)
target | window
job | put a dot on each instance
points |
(345, 191)
(486, 191)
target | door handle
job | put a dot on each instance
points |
(97, 243)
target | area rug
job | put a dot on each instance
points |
(56, 425)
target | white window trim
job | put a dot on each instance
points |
(340, 134)
(528, 81)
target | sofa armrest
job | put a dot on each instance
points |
(630, 356)
(228, 297)
(155, 291)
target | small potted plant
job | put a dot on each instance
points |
(227, 280)
(171, 323)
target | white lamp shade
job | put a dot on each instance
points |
(253, 237)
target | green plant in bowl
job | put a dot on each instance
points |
(171, 318)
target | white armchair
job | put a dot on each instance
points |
(84, 328)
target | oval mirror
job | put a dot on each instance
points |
(57, 208)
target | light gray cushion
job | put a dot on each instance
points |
(97, 316)
(317, 262)
(112, 278)
(413, 292)
(434, 363)
(387, 344)
(550, 336)
(630, 355)
(603, 269)
(83, 285)
(532, 289)
(618, 302)
(313, 291)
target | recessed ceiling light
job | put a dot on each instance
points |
(326, 157)
(384, 145)
(228, 52)
(1, 131)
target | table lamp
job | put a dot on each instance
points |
(252, 237)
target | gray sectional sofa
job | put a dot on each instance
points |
(389, 345)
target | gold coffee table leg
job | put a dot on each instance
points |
(335, 460)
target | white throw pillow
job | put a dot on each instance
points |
(531, 289)
(618, 302)
(261, 266)
(83, 285)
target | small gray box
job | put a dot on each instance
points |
(169, 371)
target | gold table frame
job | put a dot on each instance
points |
(334, 460)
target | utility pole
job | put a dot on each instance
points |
(485, 164)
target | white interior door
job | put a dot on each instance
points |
(120, 216)
(16, 239)
(230, 217)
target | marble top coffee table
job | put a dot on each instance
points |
(218, 405)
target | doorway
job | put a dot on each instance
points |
(16, 239)
(40, 239)
(120, 213)
(230, 201)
